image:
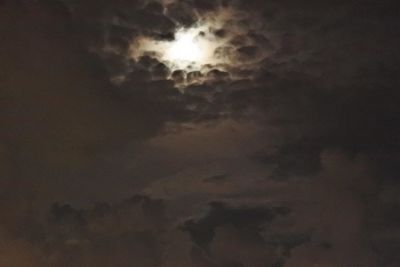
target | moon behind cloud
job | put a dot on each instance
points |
(191, 48)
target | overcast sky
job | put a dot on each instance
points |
(285, 156)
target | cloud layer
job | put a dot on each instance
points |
(288, 156)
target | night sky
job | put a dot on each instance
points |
(277, 144)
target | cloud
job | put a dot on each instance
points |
(182, 13)
(125, 233)
(233, 236)
(202, 231)
(294, 144)
(345, 189)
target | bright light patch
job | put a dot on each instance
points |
(191, 49)
(197, 50)
(185, 48)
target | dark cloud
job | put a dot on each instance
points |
(160, 71)
(119, 234)
(217, 75)
(178, 76)
(182, 13)
(220, 33)
(249, 52)
(154, 7)
(194, 76)
(301, 158)
(229, 236)
(206, 5)
(217, 178)
(202, 231)
(295, 142)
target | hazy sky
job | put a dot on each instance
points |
(281, 151)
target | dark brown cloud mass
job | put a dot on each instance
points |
(288, 156)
